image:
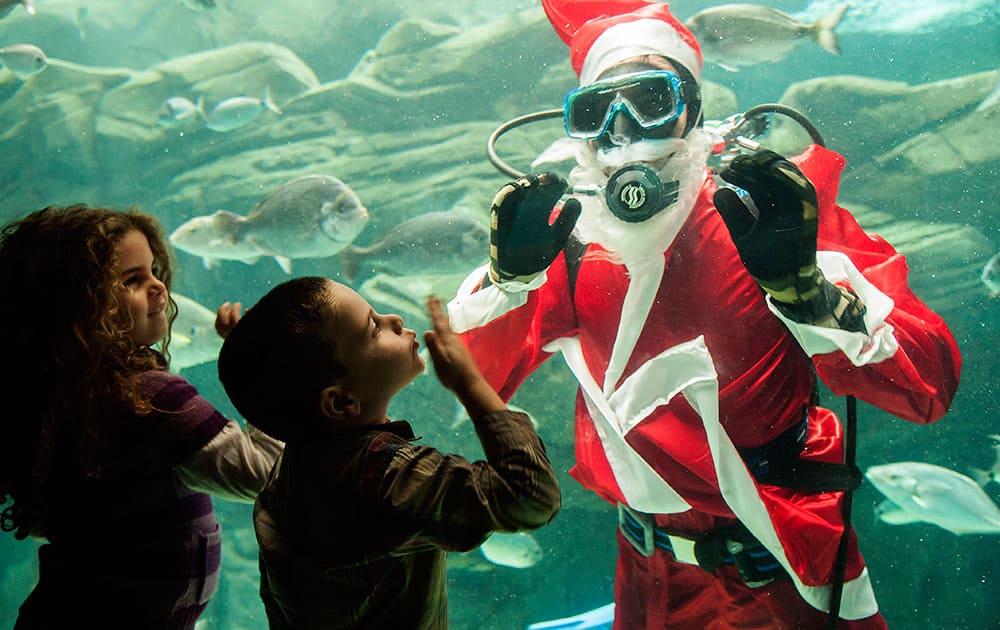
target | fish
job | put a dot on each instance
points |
(313, 216)
(519, 550)
(176, 111)
(984, 477)
(236, 112)
(6, 6)
(436, 243)
(922, 492)
(24, 60)
(915, 16)
(990, 275)
(193, 339)
(735, 35)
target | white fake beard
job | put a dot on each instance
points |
(632, 241)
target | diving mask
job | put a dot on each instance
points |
(652, 98)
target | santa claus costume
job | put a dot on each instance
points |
(692, 382)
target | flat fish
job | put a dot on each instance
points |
(193, 339)
(435, 243)
(24, 60)
(922, 492)
(314, 216)
(519, 550)
(736, 35)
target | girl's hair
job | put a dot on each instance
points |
(69, 356)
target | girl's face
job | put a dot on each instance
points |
(145, 295)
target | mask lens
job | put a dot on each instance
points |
(651, 98)
(587, 111)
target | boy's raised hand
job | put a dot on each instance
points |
(452, 362)
(455, 367)
(226, 317)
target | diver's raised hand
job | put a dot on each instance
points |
(523, 241)
(774, 224)
(773, 220)
(455, 367)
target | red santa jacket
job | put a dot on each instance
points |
(707, 308)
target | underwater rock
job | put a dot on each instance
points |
(945, 259)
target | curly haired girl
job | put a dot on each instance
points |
(106, 456)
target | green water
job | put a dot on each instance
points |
(86, 132)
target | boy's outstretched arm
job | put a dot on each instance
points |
(455, 367)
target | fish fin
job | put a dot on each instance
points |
(210, 263)
(285, 263)
(727, 67)
(889, 512)
(349, 258)
(228, 217)
(980, 476)
(29, 6)
(199, 107)
(823, 30)
(268, 102)
(461, 417)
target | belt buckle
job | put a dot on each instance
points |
(646, 546)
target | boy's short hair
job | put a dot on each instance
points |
(279, 356)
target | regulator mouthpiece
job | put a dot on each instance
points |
(635, 193)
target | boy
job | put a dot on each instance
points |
(355, 521)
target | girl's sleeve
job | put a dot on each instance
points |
(209, 452)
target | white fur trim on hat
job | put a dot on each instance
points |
(638, 37)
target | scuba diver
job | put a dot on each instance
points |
(696, 317)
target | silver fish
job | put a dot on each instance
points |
(24, 60)
(6, 6)
(921, 492)
(193, 339)
(236, 112)
(176, 111)
(518, 550)
(313, 216)
(991, 275)
(435, 243)
(735, 35)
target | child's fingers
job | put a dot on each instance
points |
(439, 317)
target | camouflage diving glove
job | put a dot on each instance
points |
(773, 219)
(522, 241)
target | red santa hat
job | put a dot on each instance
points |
(602, 33)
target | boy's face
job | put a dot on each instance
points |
(380, 354)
